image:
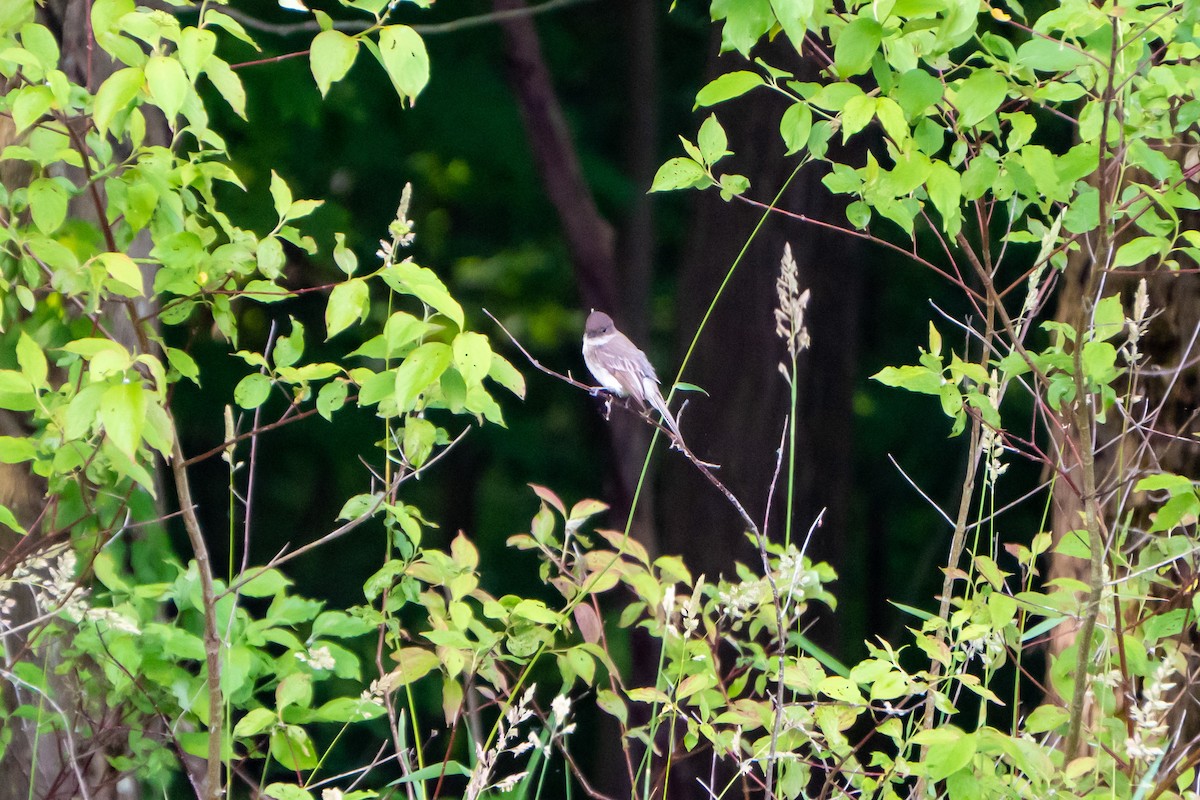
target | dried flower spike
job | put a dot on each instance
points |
(789, 316)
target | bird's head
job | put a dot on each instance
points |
(598, 324)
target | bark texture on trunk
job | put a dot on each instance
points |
(1158, 431)
(739, 425)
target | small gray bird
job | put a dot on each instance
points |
(620, 367)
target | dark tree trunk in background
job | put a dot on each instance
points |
(637, 240)
(1164, 440)
(619, 285)
(591, 239)
(51, 772)
(740, 424)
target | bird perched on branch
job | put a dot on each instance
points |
(621, 368)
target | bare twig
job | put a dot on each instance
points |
(283, 556)
(212, 640)
(357, 26)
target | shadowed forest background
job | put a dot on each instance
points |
(626, 75)
(530, 154)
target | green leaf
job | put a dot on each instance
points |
(1048, 55)
(269, 257)
(331, 398)
(916, 91)
(9, 520)
(422, 368)
(48, 204)
(405, 60)
(679, 173)
(472, 356)
(858, 214)
(733, 185)
(32, 360)
(349, 302)
(794, 17)
(331, 56)
(1108, 319)
(857, 114)
(419, 436)
(505, 374)
(229, 25)
(302, 208)
(196, 46)
(1137, 251)
(727, 86)
(255, 722)
(294, 690)
(123, 412)
(281, 195)
(1039, 162)
(1100, 362)
(912, 378)
(834, 96)
(252, 391)
(169, 85)
(340, 625)
(891, 117)
(712, 140)
(414, 663)
(343, 256)
(945, 190)
(265, 583)
(612, 704)
(124, 270)
(228, 84)
(1046, 718)
(294, 750)
(1165, 481)
(117, 92)
(977, 97)
(288, 349)
(949, 750)
(979, 177)
(30, 103)
(856, 46)
(16, 449)
(425, 285)
(795, 126)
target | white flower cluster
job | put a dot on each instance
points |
(485, 763)
(990, 441)
(507, 742)
(738, 598)
(793, 580)
(401, 229)
(988, 648)
(321, 658)
(50, 578)
(1150, 716)
(1137, 325)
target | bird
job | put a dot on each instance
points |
(621, 368)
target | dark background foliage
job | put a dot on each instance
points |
(485, 224)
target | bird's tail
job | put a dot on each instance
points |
(660, 405)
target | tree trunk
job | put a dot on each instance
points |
(739, 425)
(38, 764)
(1164, 439)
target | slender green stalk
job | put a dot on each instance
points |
(791, 479)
